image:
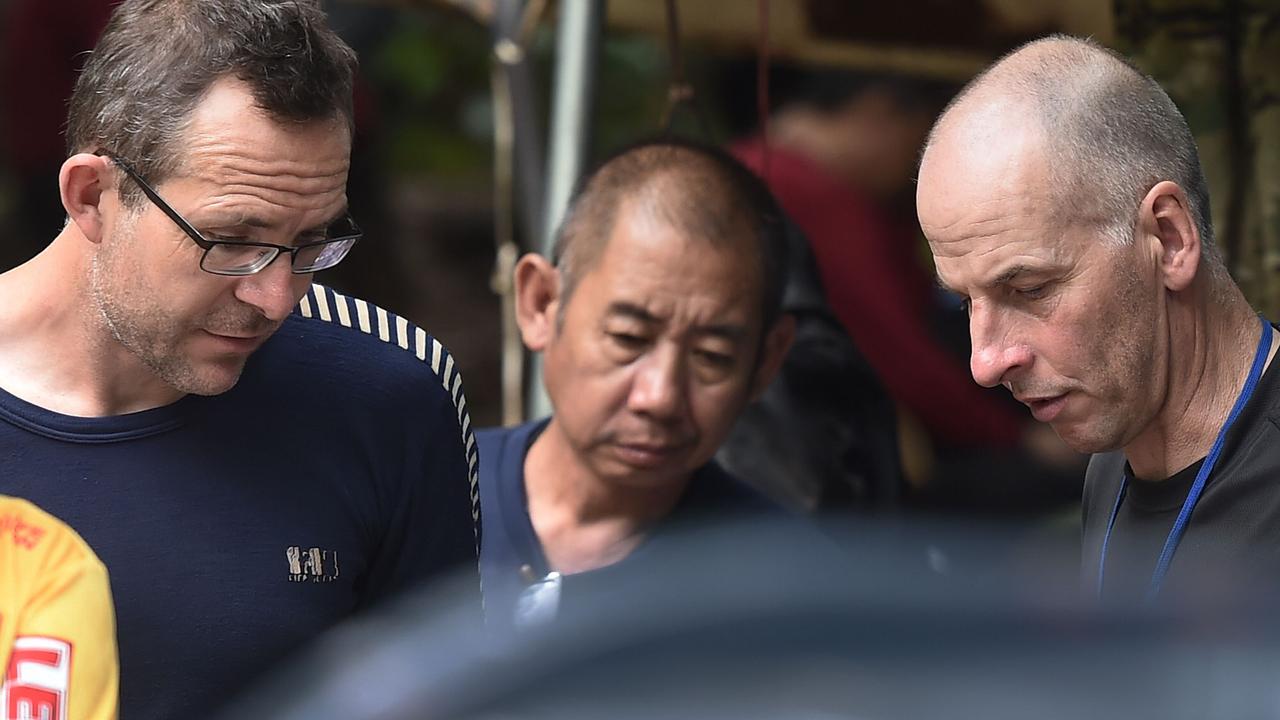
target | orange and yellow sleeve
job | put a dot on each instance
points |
(57, 623)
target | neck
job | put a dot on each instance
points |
(1203, 385)
(47, 303)
(584, 521)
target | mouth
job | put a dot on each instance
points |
(1045, 408)
(648, 455)
(238, 343)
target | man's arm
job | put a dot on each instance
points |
(432, 529)
(63, 658)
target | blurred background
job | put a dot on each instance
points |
(475, 116)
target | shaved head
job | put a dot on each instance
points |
(1063, 201)
(698, 190)
(1104, 132)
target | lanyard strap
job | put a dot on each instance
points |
(1193, 496)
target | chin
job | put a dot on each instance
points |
(1086, 440)
(647, 476)
(209, 382)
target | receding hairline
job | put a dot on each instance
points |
(1107, 129)
(1071, 66)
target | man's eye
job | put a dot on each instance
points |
(1032, 293)
(220, 237)
(714, 359)
(627, 340)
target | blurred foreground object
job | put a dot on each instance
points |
(755, 621)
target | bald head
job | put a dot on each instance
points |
(698, 190)
(1103, 132)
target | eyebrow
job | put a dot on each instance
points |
(261, 223)
(1010, 273)
(729, 331)
(1004, 278)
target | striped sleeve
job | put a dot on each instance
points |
(323, 303)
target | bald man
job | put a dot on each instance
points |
(1063, 199)
(658, 319)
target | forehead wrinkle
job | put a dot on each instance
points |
(233, 214)
(247, 201)
(630, 310)
(308, 184)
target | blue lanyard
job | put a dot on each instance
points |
(1193, 496)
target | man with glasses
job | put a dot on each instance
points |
(253, 457)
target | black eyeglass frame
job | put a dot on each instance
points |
(208, 245)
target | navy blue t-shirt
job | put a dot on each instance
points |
(511, 554)
(339, 470)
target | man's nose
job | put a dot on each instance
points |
(271, 289)
(658, 388)
(997, 353)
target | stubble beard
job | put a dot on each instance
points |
(142, 327)
(1131, 346)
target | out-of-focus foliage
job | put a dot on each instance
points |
(431, 75)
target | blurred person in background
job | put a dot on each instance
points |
(658, 321)
(842, 152)
(1063, 199)
(57, 626)
(254, 457)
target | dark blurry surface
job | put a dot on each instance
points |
(756, 622)
(823, 436)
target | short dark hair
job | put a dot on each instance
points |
(156, 59)
(700, 189)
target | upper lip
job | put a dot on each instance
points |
(649, 447)
(1029, 399)
(231, 336)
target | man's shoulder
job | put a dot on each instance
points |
(1101, 483)
(714, 489)
(345, 341)
(493, 440)
(502, 451)
(41, 541)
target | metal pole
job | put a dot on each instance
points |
(573, 93)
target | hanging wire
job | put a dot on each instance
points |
(507, 52)
(680, 92)
(762, 85)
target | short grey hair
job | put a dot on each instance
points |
(156, 59)
(1110, 132)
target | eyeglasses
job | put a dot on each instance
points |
(243, 257)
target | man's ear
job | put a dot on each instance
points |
(83, 182)
(537, 285)
(776, 345)
(1164, 218)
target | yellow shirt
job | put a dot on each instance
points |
(57, 624)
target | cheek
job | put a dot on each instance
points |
(301, 284)
(716, 408)
(1119, 344)
(582, 384)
